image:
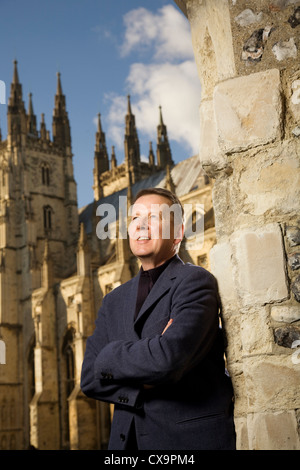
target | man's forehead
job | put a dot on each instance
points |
(140, 208)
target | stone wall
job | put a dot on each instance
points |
(247, 54)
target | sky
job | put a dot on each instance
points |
(104, 51)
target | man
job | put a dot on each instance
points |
(157, 350)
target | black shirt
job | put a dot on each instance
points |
(146, 282)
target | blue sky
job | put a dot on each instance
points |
(104, 51)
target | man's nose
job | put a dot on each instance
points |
(143, 223)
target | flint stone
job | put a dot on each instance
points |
(286, 336)
(293, 236)
(285, 313)
(294, 261)
(296, 289)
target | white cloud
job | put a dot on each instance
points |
(166, 31)
(169, 80)
(176, 88)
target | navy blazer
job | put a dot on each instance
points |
(189, 399)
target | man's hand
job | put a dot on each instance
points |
(167, 326)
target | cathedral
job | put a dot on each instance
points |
(55, 269)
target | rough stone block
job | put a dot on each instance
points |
(256, 334)
(221, 266)
(273, 431)
(261, 265)
(271, 183)
(248, 110)
(210, 154)
(287, 314)
(272, 382)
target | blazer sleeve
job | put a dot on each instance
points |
(98, 386)
(166, 358)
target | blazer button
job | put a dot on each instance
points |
(122, 437)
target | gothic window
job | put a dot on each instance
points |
(31, 372)
(68, 374)
(45, 174)
(69, 362)
(47, 216)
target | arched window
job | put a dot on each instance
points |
(69, 361)
(47, 217)
(31, 371)
(68, 377)
(45, 174)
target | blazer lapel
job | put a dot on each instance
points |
(129, 309)
(160, 288)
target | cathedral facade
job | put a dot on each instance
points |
(55, 268)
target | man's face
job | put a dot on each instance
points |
(151, 231)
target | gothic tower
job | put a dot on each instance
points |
(101, 162)
(131, 145)
(38, 241)
(164, 156)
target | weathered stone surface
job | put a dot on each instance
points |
(221, 266)
(212, 42)
(209, 152)
(273, 431)
(272, 382)
(248, 110)
(256, 334)
(260, 263)
(270, 182)
(287, 314)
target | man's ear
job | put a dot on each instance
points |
(179, 234)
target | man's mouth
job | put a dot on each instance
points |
(143, 238)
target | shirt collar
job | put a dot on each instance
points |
(154, 273)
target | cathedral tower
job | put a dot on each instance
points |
(38, 211)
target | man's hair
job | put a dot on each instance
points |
(161, 192)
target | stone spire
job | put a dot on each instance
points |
(151, 156)
(43, 130)
(101, 161)
(60, 123)
(16, 114)
(131, 144)
(164, 156)
(31, 118)
(113, 158)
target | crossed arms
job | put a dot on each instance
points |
(121, 368)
